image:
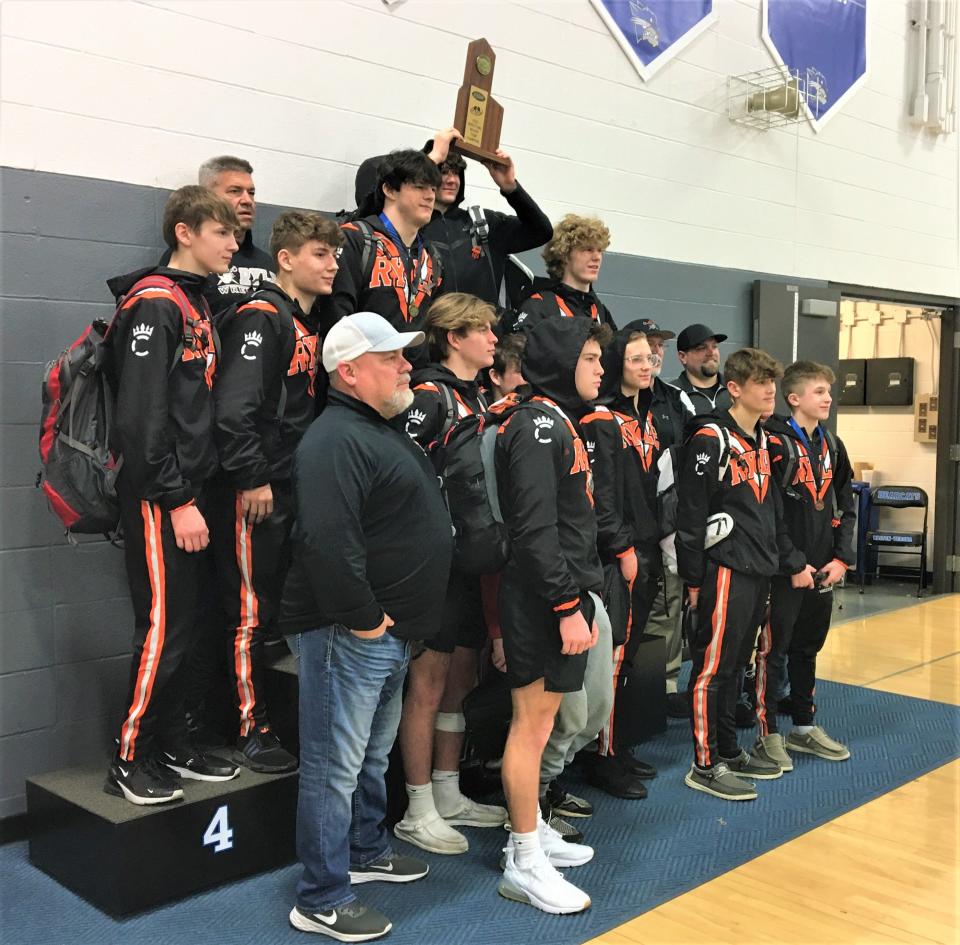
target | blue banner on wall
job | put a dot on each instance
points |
(651, 32)
(826, 41)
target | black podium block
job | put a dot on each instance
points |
(123, 859)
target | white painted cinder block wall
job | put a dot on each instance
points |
(143, 92)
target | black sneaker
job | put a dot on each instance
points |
(142, 782)
(567, 805)
(353, 922)
(261, 751)
(609, 774)
(636, 767)
(393, 868)
(678, 705)
(190, 762)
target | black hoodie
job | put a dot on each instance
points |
(552, 298)
(828, 532)
(758, 543)
(165, 414)
(543, 473)
(427, 420)
(466, 266)
(267, 345)
(385, 290)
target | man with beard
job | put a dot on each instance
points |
(698, 348)
(372, 555)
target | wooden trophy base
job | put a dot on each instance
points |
(477, 154)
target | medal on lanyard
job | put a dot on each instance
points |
(818, 502)
(411, 261)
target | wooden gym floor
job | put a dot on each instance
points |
(885, 872)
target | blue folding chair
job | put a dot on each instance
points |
(885, 541)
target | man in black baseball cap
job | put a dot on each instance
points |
(698, 348)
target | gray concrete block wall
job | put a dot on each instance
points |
(65, 620)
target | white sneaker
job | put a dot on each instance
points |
(540, 885)
(561, 852)
(471, 814)
(432, 833)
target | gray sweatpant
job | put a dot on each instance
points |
(664, 621)
(583, 713)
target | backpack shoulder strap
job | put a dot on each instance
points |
(157, 281)
(723, 437)
(480, 237)
(791, 460)
(371, 244)
(450, 409)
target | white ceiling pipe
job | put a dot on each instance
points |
(936, 89)
(950, 63)
(919, 107)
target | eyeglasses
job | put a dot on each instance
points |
(638, 359)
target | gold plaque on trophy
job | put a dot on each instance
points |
(478, 116)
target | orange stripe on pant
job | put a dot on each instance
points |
(153, 644)
(711, 661)
(249, 616)
(766, 644)
(605, 738)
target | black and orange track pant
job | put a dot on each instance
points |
(729, 611)
(165, 583)
(797, 629)
(252, 563)
(642, 595)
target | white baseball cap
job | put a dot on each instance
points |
(361, 332)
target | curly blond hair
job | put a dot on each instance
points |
(573, 232)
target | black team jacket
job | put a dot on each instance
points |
(466, 265)
(705, 399)
(402, 296)
(822, 477)
(165, 414)
(426, 420)
(758, 543)
(268, 348)
(552, 298)
(372, 532)
(543, 474)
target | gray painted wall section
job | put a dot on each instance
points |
(65, 621)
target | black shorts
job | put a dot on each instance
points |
(463, 623)
(532, 642)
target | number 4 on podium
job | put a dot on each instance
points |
(219, 833)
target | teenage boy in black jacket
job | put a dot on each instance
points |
(819, 508)
(623, 451)
(472, 264)
(403, 272)
(573, 257)
(461, 342)
(730, 542)
(164, 359)
(372, 556)
(265, 402)
(548, 592)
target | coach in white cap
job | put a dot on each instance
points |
(371, 556)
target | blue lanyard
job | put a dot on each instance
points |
(803, 434)
(409, 261)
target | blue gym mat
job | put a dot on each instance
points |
(647, 851)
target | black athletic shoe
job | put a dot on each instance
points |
(190, 762)
(142, 782)
(636, 767)
(261, 751)
(567, 805)
(393, 868)
(608, 774)
(678, 705)
(353, 922)
(567, 831)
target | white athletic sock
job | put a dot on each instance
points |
(420, 800)
(446, 791)
(525, 847)
(802, 729)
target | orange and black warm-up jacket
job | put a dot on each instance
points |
(558, 300)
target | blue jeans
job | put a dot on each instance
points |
(350, 695)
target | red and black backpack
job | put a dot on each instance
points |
(79, 469)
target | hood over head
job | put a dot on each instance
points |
(455, 161)
(550, 358)
(365, 183)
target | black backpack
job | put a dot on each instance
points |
(79, 471)
(463, 459)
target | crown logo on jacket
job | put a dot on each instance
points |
(143, 331)
(252, 338)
